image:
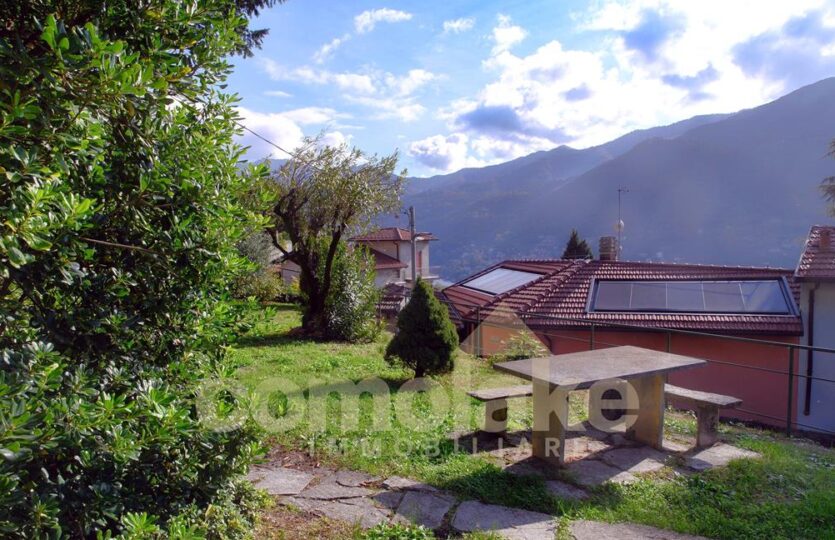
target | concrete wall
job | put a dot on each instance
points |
(763, 392)
(386, 276)
(822, 403)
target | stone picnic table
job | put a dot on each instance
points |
(638, 374)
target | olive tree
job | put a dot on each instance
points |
(319, 198)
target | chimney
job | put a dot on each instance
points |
(608, 248)
(825, 241)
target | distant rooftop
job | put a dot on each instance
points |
(392, 234)
(817, 263)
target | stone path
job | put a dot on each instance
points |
(367, 500)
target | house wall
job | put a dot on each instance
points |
(389, 248)
(762, 392)
(383, 277)
(421, 247)
(822, 403)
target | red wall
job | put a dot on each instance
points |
(763, 392)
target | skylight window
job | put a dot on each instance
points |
(500, 280)
(762, 296)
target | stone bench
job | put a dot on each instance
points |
(707, 411)
(707, 408)
(495, 404)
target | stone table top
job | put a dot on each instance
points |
(583, 369)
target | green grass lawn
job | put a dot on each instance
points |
(790, 493)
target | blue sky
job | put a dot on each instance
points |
(467, 84)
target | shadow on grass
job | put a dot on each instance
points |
(268, 340)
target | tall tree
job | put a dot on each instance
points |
(321, 197)
(119, 214)
(576, 248)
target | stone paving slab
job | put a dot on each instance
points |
(718, 455)
(591, 473)
(331, 490)
(389, 499)
(639, 459)
(280, 480)
(361, 511)
(424, 508)
(561, 490)
(398, 482)
(507, 522)
(594, 530)
(350, 478)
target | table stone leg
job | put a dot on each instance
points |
(649, 427)
(550, 417)
(495, 416)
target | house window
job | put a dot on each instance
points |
(500, 280)
(769, 297)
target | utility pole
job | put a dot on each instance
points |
(619, 224)
(413, 242)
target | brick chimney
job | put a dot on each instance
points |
(608, 248)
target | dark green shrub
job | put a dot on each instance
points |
(426, 339)
(119, 217)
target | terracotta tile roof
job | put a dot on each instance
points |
(559, 298)
(385, 262)
(392, 299)
(817, 263)
(392, 234)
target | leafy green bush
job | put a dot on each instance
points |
(352, 300)
(396, 531)
(119, 216)
(523, 344)
(265, 285)
(426, 339)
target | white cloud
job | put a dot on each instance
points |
(325, 51)
(284, 129)
(355, 82)
(456, 26)
(409, 83)
(278, 93)
(390, 95)
(313, 115)
(442, 153)
(367, 20)
(506, 34)
(655, 62)
(276, 128)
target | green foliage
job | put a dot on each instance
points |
(426, 339)
(316, 200)
(119, 215)
(352, 300)
(396, 531)
(577, 248)
(521, 345)
(265, 285)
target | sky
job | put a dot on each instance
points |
(459, 84)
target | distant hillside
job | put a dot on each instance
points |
(729, 189)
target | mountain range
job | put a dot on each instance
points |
(739, 189)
